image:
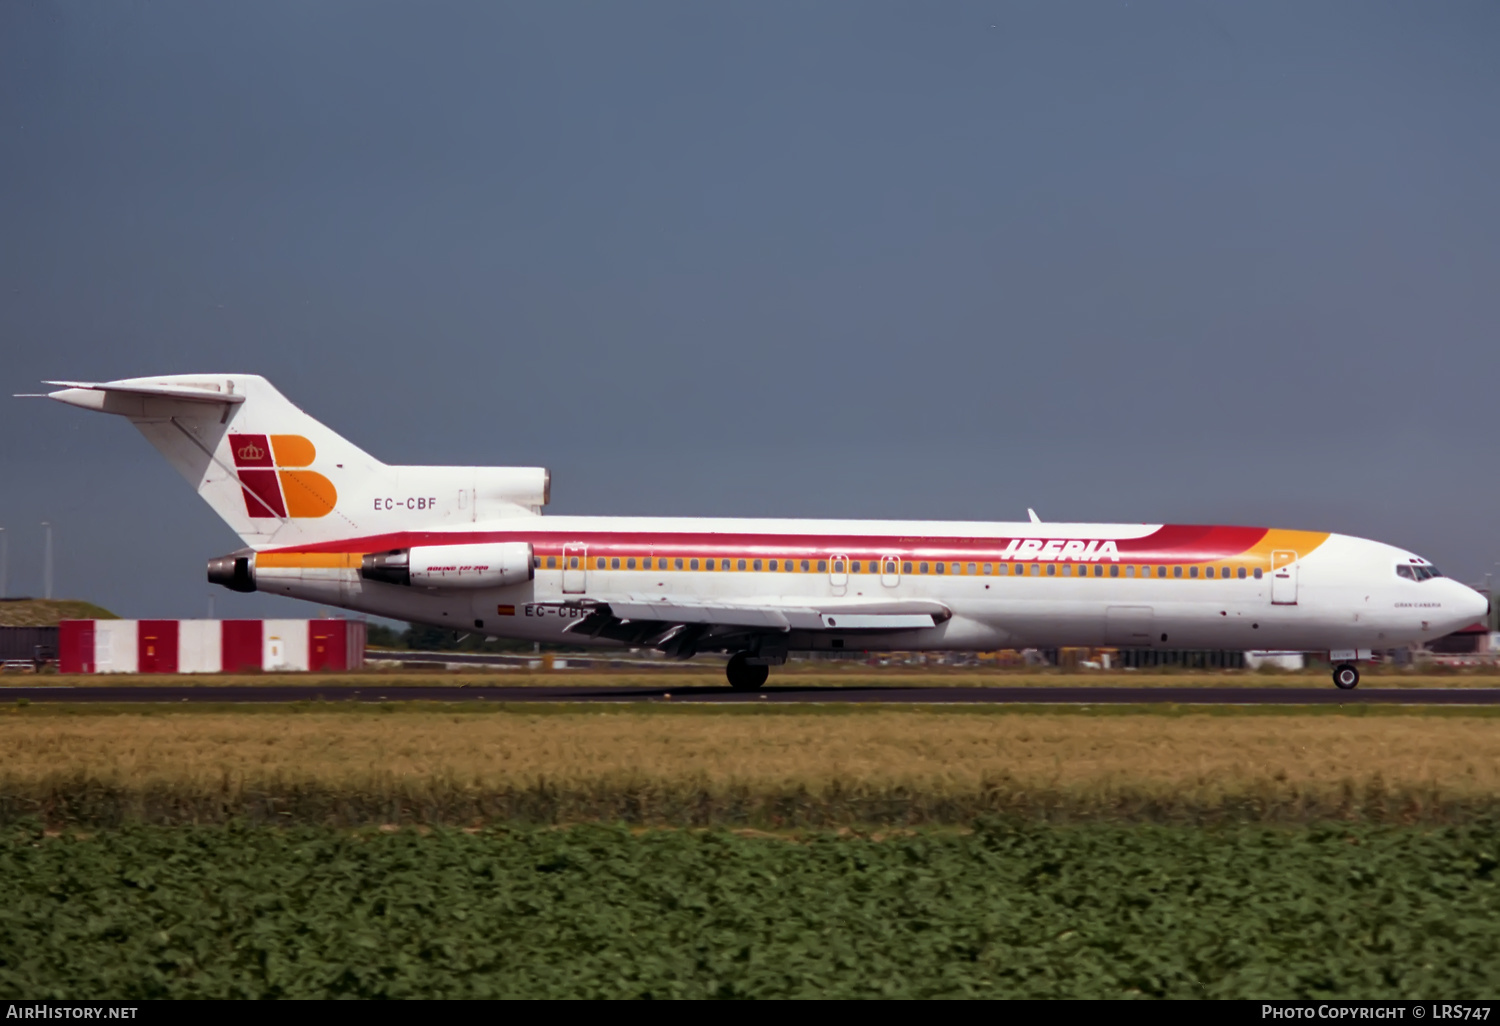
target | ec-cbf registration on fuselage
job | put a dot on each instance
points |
(467, 548)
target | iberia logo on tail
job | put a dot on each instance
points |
(271, 469)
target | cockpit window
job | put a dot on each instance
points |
(1413, 572)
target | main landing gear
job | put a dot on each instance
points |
(744, 677)
(1346, 676)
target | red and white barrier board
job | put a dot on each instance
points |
(209, 646)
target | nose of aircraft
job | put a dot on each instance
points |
(1469, 606)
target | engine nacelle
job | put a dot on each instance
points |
(235, 572)
(480, 565)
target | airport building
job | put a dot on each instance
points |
(209, 646)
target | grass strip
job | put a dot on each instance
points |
(729, 768)
(799, 675)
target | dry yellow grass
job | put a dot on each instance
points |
(927, 751)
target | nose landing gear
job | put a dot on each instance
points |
(1346, 676)
(744, 677)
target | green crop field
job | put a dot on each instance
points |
(592, 911)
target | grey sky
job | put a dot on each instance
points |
(1201, 262)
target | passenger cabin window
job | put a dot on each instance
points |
(1209, 572)
(905, 568)
(601, 564)
(773, 565)
(1177, 571)
(573, 563)
(921, 568)
(630, 564)
(1002, 569)
(692, 563)
(989, 568)
(1257, 573)
(1241, 573)
(838, 566)
(973, 569)
(551, 562)
(1192, 571)
(939, 567)
(756, 564)
(822, 566)
(1161, 571)
(741, 564)
(1099, 569)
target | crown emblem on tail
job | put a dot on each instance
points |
(250, 452)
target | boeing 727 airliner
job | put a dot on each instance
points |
(467, 548)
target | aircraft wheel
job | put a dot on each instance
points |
(1346, 676)
(744, 677)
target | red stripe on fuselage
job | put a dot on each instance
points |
(1173, 543)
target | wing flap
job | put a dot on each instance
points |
(821, 615)
(878, 621)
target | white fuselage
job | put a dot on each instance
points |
(1337, 593)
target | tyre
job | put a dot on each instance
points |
(1346, 677)
(744, 677)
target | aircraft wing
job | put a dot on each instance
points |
(682, 625)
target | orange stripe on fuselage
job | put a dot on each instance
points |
(310, 560)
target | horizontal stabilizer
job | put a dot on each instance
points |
(198, 392)
(281, 479)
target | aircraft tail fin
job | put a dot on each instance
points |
(280, 478)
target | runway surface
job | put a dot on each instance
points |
(865, 694)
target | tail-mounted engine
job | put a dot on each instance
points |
(484, 565)
(235, 572)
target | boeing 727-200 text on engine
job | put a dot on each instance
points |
(468, 548)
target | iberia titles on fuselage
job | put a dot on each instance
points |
(467, 548)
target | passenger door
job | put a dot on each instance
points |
(575, 568)
(838, 573)
(1283, 578)
(890, 571)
